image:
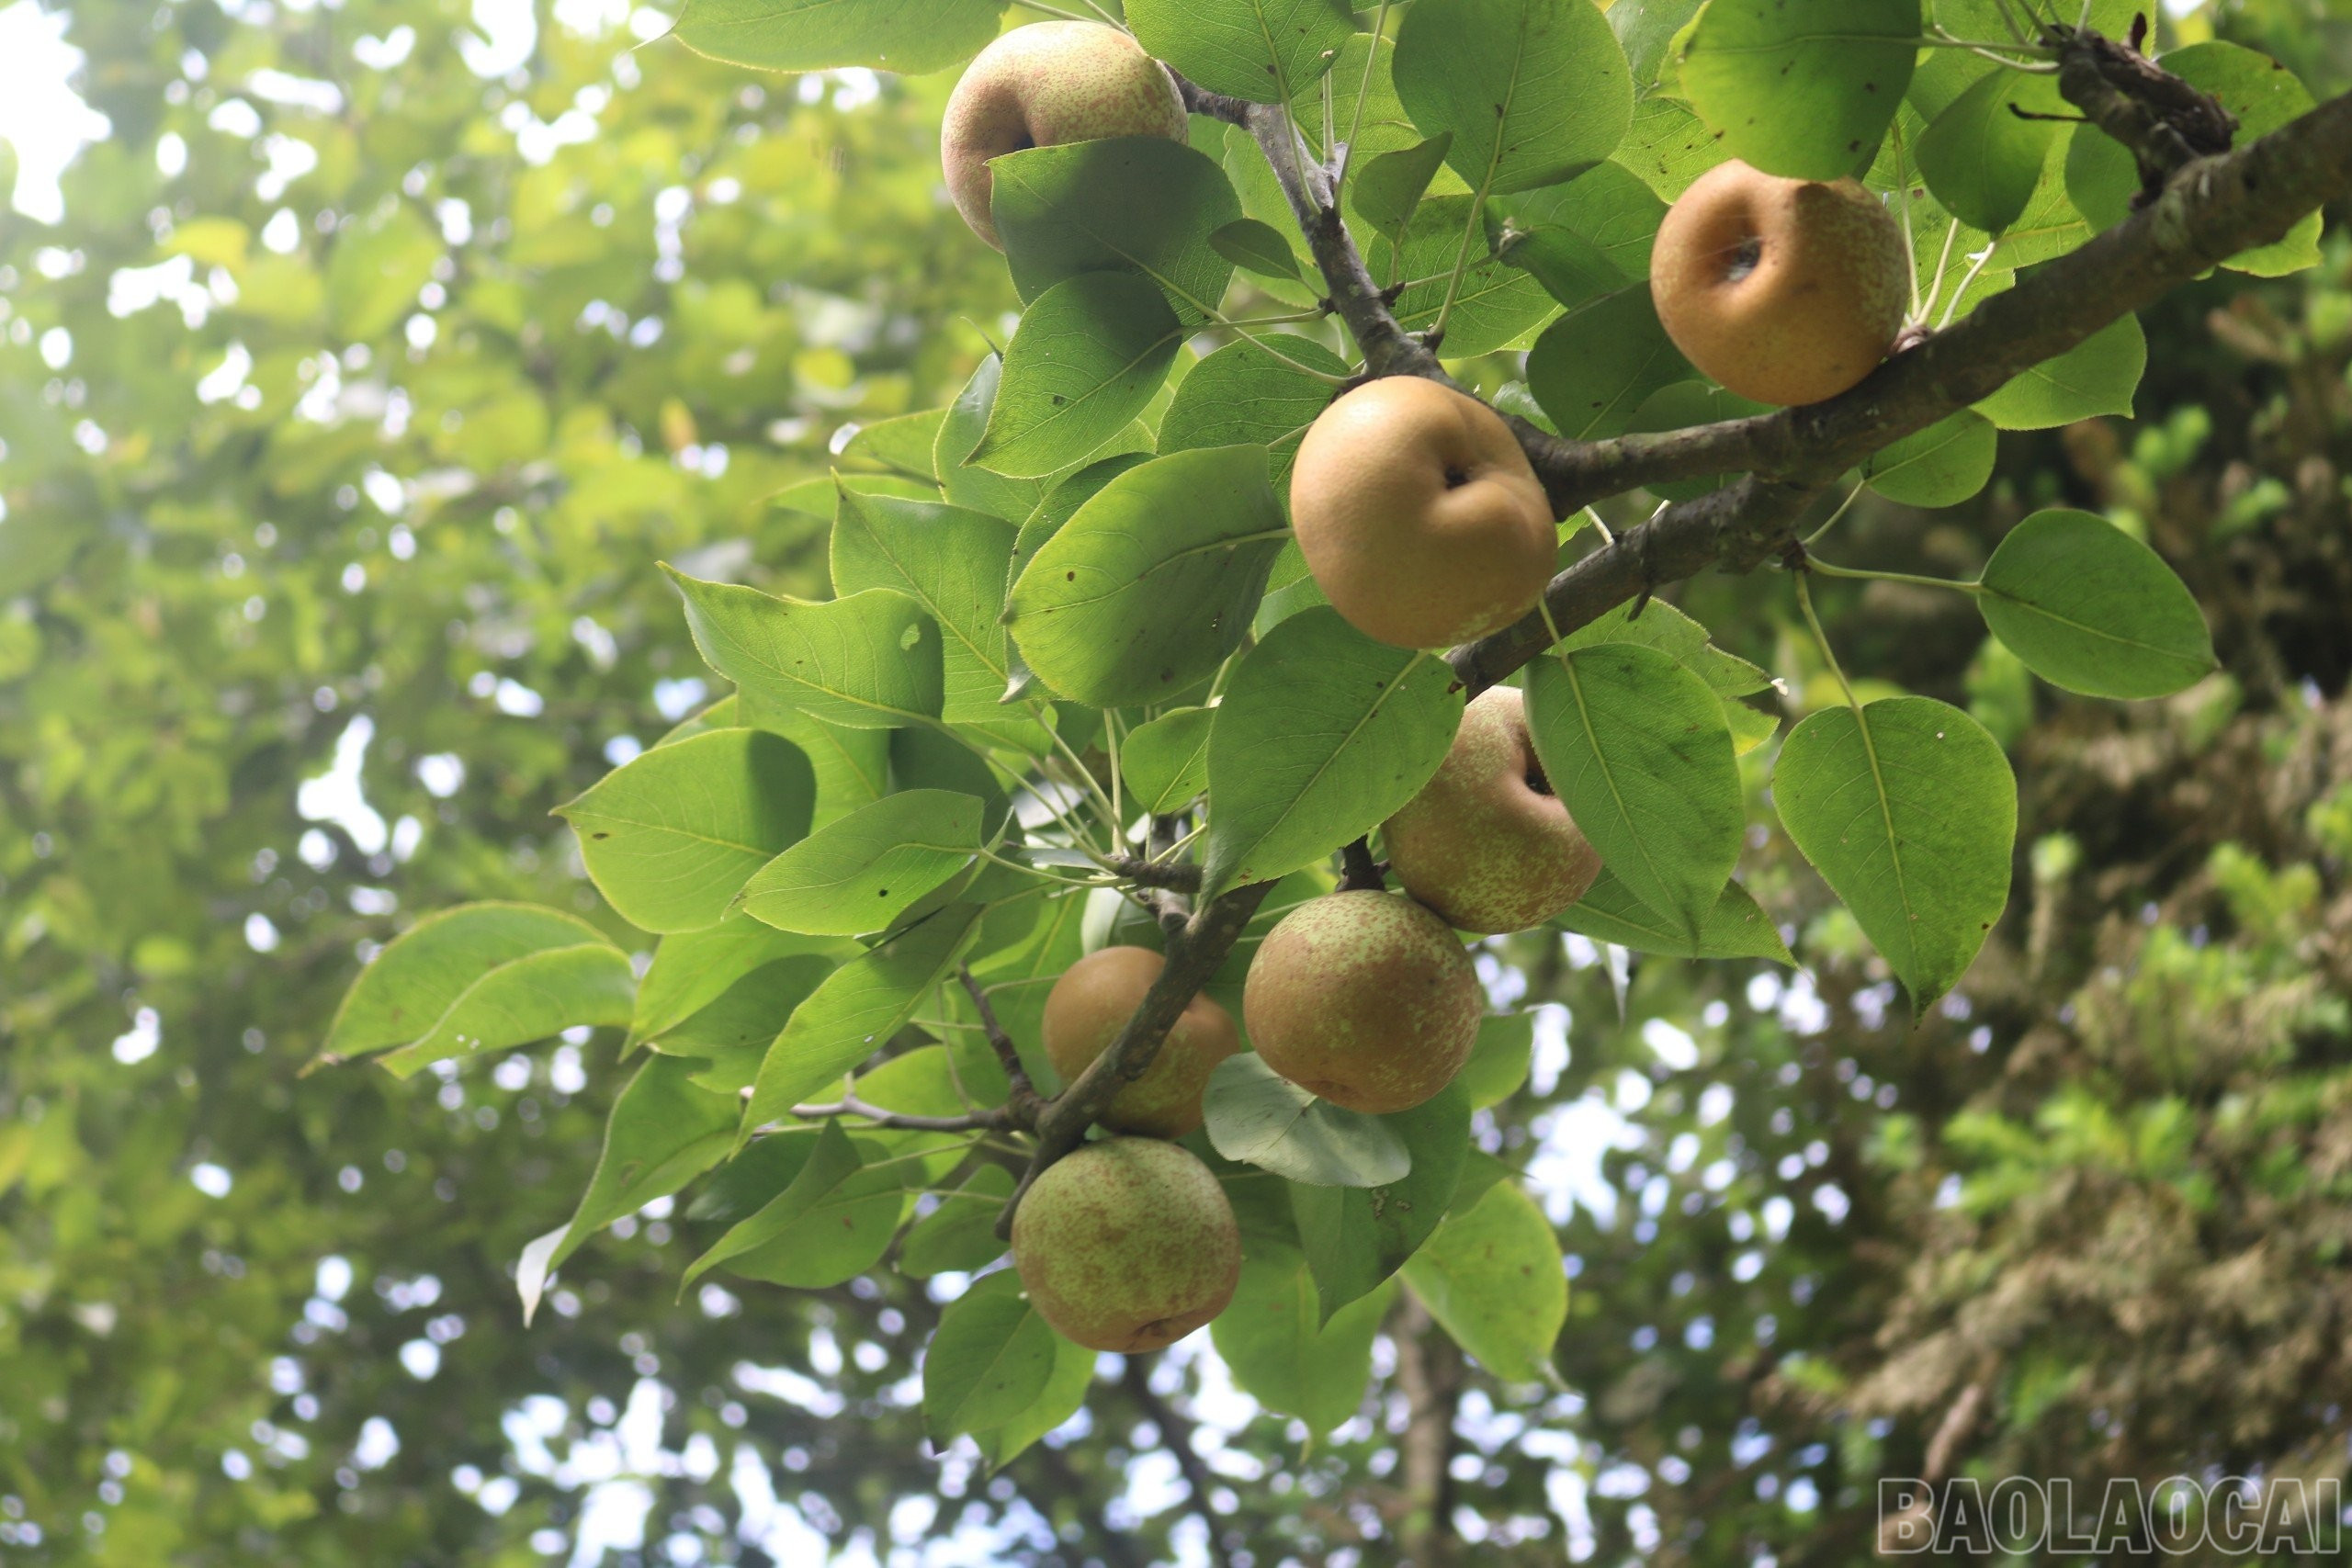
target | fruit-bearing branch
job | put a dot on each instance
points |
(2211, 209)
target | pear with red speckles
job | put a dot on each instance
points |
(1045, 84)
(1092, 1003)
(1787, 291)
(1365, 998)
(1127, 1245)
(1487, 844)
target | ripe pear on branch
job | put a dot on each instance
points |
(1092, 1003)
(1486, 843)
(1128, 1245)
(1786, 291)
(1420, 515)
(1043, 86)
(1365, 998)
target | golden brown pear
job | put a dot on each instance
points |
(1786, 291)
(1040, 87)
(1366, 998)
(1487, 844)
(1418, 514)
(1127, 1245)
(1092, 1001)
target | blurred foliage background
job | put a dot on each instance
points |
(378, 351)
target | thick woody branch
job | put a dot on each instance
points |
(1176, 877)
(2165, 122)
(1193, 957)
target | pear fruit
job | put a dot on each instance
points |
(1419, 516)
(1127, 1245)
(1786, 291)
(1365, 998)
(1092, 1001)
(1045, 84)
(1487, 844)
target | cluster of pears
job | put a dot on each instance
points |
(1367, 999)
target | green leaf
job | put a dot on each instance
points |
(663, 1131)
(692, 969)
(1662, 627)
(1497, 304)
(1909, 810)
(1636, 747)
(2092, 609)
(1356, 1237)
(1980, 157)
(1389, 186)
(727, 1040)
(1054, 512)
(869, 661)
(1499, 1061)
(1138, 203)
(831, 1225)
(1256, 247)
(990, 1359)
(671, 837)
(1646, 29)
(1322, 735)
(1532, 90)
(427, 970)
(1270, 1123)
(1734, 927)
(527, 999)
(1492, 1278)
(2097, 376)
(1153, 582)
(1804, 91)
(960, 431)
(959, 1237)
(1288, 1354)
(1596, 365)
(866, 869)
(905, 444)
(377, 264)
(950, 561)
(1165, 763)
(1090, 354)
(856, 1010)
(851, 764)
(1265, 50)
(1065, 1393)
(1941, 466)
(1605, 210)
(1241, 395)
(1669, 147)
(910, 36)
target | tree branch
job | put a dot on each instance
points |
(1179, 877)
(1024, 1103)
(994, 1118)
(1193, 957)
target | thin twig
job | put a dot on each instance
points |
(1176, 877)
